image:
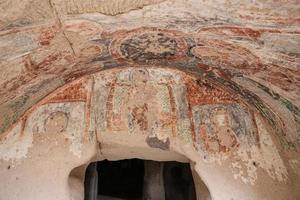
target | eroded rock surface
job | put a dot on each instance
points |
(215, 81)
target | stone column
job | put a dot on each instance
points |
(153, 181)
(91, 182)
(178, 181)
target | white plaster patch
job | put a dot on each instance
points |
(264, 156)
(15, 146)
(217, 158)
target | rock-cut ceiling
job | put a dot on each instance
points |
(220, 76)
(231, 53)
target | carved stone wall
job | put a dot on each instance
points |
(215, 83)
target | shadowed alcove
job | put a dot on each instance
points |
(135, 179)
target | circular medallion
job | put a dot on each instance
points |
(148, 45)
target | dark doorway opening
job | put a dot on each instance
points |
(136, 179)
(122, 179)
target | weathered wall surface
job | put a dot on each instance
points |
(217, 81)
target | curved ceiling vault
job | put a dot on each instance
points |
(205, 57)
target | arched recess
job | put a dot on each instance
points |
(155, 185)
(137, 112)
